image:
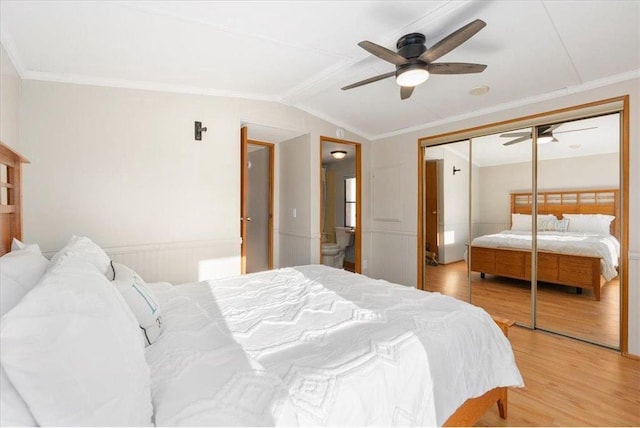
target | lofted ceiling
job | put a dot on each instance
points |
(301, 53)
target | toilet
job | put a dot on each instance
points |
(333, 252)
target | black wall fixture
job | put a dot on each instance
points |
(199, 129)
(456, 170)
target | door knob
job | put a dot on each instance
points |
(434, 212)
(245, 218)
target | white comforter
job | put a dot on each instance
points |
(315, 345)
(606, 247)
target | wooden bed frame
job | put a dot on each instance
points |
(10, 196)
(11, 227)
(566, 269)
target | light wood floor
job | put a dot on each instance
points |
(559, 308)
(569, 383)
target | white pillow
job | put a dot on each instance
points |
(20, 271)
(552, 224)
(72, 353)
(16, 244)
(589, 223)
(86, 249)
(522, 222)
(141, 301)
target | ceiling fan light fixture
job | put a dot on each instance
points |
(412, 76)
(339, 154)
(544, 139)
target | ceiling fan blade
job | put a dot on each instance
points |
(516, 134)
(455, 68)
(518, 140)
(574, 130)
(547, 129)
(383, 53)
(452, 41)
(406, 91)
(370, 80)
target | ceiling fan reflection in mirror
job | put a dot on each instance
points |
(545, 134)
(414, 62)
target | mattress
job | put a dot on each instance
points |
(606, 247)
(314, 345)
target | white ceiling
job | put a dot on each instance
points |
(301, 53)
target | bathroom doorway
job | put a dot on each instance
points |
(340, 204)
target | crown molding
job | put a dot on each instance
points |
(141, 85)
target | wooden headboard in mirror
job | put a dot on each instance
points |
(10, 196)
(583, 201)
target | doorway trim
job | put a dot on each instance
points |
(245, 142)
(584, 110)
(358, 238)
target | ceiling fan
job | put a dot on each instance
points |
(414, 62)
(545, 134)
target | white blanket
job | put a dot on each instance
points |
(315, 345)
(606, 247)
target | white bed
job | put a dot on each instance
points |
(314, 345)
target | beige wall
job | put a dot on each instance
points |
(10, 85)
(122, 166)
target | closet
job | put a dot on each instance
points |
(527, 219)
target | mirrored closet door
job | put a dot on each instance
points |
(447, 210)
(551, 190)
(578, 237)
(500, 262)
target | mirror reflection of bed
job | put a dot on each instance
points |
(578, 177)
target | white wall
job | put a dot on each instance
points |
(10, 85)
(122, 167)
(295, 182)
(402, 149)
(393, 240)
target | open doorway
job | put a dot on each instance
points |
(340, 202)
(257, 204)
(261, 230)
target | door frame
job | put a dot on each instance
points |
(532, 120)
(244, 154)
(358, 234)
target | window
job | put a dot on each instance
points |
(350, 202)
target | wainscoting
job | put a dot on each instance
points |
(295, 249)
(180, 262)
(393, 256)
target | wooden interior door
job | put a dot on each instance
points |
(431, 206)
